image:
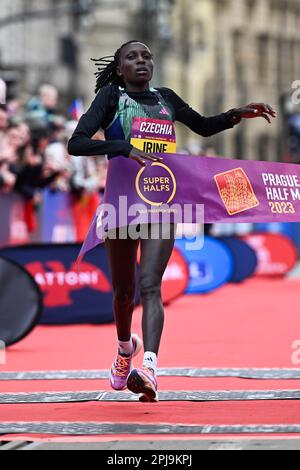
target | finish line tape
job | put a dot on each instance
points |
(264, 374)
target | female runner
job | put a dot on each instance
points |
(123, 94)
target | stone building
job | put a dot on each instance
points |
(53, 41)
(216, 54)
(228, 53)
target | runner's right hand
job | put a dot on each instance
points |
(140, 156)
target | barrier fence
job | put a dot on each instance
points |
(60, 218)
(84, 295)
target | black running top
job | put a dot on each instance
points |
(103, 109)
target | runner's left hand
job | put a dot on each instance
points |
(254, 110)
(140, 156)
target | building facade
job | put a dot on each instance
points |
(228, 53)
(216, 54)
(32, 35)
(52, 41)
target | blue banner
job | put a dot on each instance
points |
(71, 295)
(244, 258)
(210, 267)
(56, 218)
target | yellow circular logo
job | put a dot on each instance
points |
(156, 185)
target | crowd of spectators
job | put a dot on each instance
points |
(34, 156)
(33, 152)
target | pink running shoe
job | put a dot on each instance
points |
(143, 381)
(123, 365)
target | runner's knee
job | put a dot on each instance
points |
(124, 295)
(150, 286)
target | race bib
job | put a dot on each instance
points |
(153, 135)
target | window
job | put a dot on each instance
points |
(263, 148)
(262, 58)
(250, 5)
(238, 54)
(240, 143)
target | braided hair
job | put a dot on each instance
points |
(107, 69)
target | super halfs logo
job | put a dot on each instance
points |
(57, 283)
(236, 191)
(156, 184)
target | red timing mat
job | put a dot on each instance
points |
(252, 325)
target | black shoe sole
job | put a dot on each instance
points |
(136, 384)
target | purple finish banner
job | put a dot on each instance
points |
(227, 190)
